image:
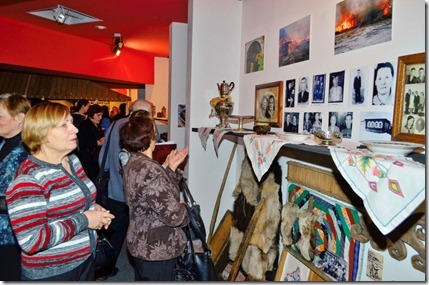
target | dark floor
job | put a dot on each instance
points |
(126, 271)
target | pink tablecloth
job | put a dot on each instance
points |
(391, 187)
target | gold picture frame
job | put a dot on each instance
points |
(409, 111)
(269, 103)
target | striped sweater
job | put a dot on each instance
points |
(46, 205)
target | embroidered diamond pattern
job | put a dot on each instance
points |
(395, 187)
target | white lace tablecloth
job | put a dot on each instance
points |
(391, 187)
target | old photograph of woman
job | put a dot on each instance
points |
(155, 238)
(13, 108)
(51, 202)
(383, 84)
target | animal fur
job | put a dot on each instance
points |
(289, 215)
(306, 229)
(262, 252)
(267, 226)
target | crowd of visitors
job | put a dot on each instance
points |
(49, 218)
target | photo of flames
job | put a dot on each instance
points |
(362, 23)
(294, 42)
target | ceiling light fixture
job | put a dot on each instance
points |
(59, 15)
(119, 44)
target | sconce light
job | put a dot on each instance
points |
(119, 44)
(59, 15)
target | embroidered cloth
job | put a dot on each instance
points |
(262, 150)
(391, 187)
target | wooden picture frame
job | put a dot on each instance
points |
(280, 274)
(404, 109)
(265, 96)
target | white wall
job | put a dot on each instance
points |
(214, 30)
(158, 92)
(268, 17)
(177, 68)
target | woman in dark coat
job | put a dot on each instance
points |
(91, 138)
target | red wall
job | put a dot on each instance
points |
(36, 47)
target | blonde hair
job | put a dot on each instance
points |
(14, 103)
(39, 120)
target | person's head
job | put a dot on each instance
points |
(294, 119)
(264, 103)
(288, 118)
(271, 103)
(138, 134)
(348, 121)
(383, 78)
(317, 116)
(303, 84)
(141, 104)
(114, 112)
(335, 80)
(82, 106)
(413, 71)
(307, 116)
(13, 108)
(410, 121)
(105, 111)
(48, 127)
(141, 114)
(420, 124)
(421, 72)
(123, 108)
(358, 72)
(333, 120)
(95, 113)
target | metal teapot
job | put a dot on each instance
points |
(225, 88)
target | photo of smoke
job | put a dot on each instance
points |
(294, 42)
(362, 23)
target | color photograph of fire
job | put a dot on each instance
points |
(294, 42)
(362, 23)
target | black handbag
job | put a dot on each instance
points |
(102, 180)
(198, 230)
(200, 264)
(196, 261)
(105, 253)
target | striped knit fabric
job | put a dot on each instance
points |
(46, 206)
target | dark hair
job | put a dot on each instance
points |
(81, 103)
(384, 65)
(141, 114)
(105, 111)
(94, 109)
(137, 134)
(123, 108)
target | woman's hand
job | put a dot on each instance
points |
(98, 218)
(176, 157)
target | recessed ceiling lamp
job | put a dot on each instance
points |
(63, 15)
(59, 15)
(119, 44)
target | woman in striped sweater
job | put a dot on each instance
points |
(51, 202)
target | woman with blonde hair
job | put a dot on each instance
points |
(51, 202)
(13, 108)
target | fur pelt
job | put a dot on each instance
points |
(305, 244)
(289, 215)
(267, 227)
(262, 252)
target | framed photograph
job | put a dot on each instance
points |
(269, 103)
(254, 55)
(409, 111)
